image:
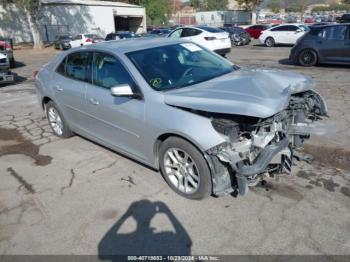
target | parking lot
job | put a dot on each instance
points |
(75, 197)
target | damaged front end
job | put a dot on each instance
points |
(256, 148)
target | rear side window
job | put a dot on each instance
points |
(334, 33)
(77, 66)
(107, 71)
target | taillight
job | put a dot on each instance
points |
(89, 40)
(35, 73)
(210, 38)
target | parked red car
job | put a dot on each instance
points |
(256, 30)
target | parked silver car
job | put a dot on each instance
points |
(208, 125)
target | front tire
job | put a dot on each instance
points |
(270, 42)
(308, 58)
(185, 169)
(57, 122)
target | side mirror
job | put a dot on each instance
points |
(124, 90)
(298, 31)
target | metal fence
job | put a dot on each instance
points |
(49, 32)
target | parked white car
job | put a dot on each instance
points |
(283, 34)
(85, 39)
(212, 38)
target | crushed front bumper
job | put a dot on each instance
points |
(238, 175)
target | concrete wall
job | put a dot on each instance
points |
(213, 18)
(13, 24)
(75, 19)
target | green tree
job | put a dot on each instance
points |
(274, 5)
(196, 4)
(250, 5)
(212, 5)
(300, 5)
(32, 11)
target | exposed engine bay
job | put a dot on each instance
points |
(257, 148)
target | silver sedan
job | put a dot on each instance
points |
(208, 125)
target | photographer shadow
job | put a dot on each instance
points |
(145, 240)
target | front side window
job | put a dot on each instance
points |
(77, 66)
(178, 65)
(176, 34)
(187, 32)
(280, 29)
(108, 72)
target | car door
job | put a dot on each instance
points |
(334, 43)
(76, 41)
(294, 33)
(280, 34)
(69, 85)
(116, 121)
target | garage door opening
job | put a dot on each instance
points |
(128, 23)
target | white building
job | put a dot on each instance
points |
(74, 17)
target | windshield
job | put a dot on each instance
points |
(179, 65)
(305, 27)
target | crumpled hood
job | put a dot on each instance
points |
(249, 91)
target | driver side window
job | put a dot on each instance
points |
(108, 72)
(176, 34)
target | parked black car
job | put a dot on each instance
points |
(323, 44)
(345, 18)
(120, 35)
(238, 35)
(62, 42)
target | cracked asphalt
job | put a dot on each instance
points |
(75, 197)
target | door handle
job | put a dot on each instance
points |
(58, 88)
(94, 101)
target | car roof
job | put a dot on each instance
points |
(131, 45)
(329, 25)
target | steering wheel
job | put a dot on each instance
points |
(189, 70)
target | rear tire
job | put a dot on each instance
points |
(57, 122)
(270, 42)
(308, 58)
(185, 169)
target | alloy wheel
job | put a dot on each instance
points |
(55, 121)
(181, 170)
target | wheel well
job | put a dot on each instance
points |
(45, 101)
(162, 138)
